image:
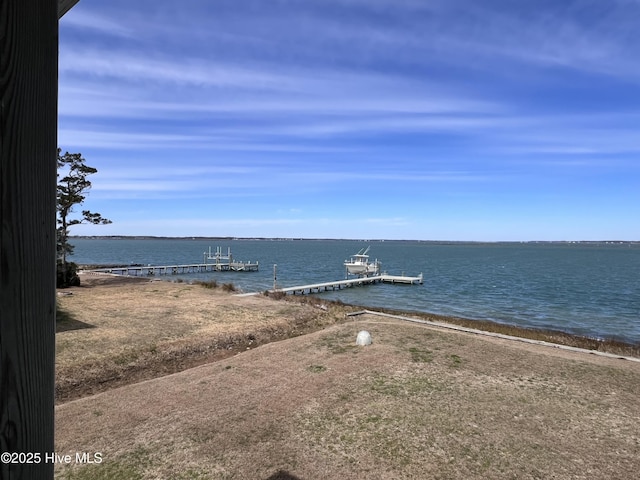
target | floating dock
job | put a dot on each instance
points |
(347, 283)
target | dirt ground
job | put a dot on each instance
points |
(420, 402)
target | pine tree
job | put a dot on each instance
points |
(72, 190)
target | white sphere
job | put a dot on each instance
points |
(363, 338)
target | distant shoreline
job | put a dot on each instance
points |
(431, 242)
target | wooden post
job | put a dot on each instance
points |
(28, 131)
(275, 283)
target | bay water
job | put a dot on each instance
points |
(590, 289)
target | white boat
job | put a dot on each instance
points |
(359, 264)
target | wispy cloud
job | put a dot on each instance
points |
(177, 71)
(580, 36)
(97, 23)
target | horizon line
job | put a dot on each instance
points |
(227, 237)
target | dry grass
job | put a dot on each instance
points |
(418, 403)
(612, 346)
(113, 331)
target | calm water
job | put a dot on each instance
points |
(588, 289)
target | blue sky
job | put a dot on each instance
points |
(395, 119)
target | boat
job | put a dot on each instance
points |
(360, 265)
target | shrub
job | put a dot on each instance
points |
(67, 275)
(209, 284)
(229, 287)
(277, 295)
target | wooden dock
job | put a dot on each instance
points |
(221, 262)
(150, 270)
(347, 283)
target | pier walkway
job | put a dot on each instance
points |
(149, 270)
(352, 282)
